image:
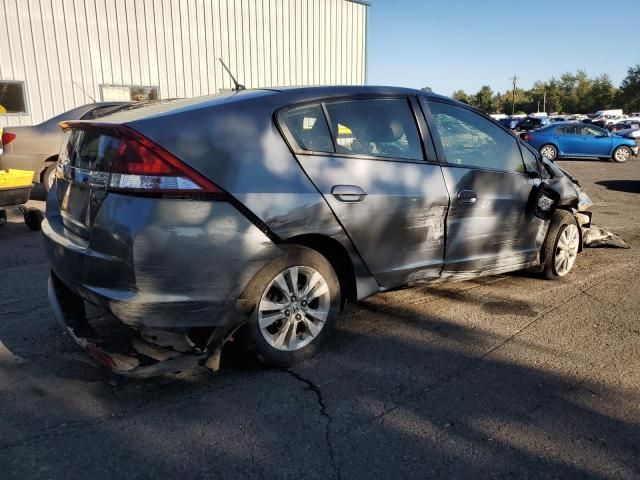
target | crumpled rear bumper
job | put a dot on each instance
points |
(122, 350)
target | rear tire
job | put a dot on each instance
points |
(561, 246)
(290, 322)
(549, 151)
(621, 154)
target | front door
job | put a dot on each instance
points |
(371, 168)
(489, 227)
(594, 141)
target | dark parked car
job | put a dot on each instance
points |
(509, 122)
(532, 123)
(581, 140)
(624, 125)
(36, 147)
(259, 214)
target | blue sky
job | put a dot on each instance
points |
(452, 44)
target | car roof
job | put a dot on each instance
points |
(290, 95)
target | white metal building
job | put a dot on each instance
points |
(59, 54)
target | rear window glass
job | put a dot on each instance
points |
(380, 128)
(89, 150)
(309, 128)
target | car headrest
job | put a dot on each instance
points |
(383, 132)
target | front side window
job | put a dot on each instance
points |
(378, 127)
(592, 131)
(530, 159)
(471, 140)
(13, 97)
(309, 128)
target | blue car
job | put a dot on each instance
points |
(580, 140)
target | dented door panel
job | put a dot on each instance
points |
(398, 227)
(497, 230)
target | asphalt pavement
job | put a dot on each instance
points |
(503, 377)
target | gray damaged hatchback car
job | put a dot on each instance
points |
(257, 215)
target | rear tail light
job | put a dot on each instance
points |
(8, 137)
(527, 137)
(139, 165)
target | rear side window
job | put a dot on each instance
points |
(568, 130)
(471, 140)
(379, 128)
(309, 128)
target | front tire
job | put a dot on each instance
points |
(549, 151)
(561, 246)
(297, 302)
(621, 154)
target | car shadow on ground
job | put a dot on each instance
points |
(412, 395)
(629, 186)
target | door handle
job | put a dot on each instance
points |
(467, 197)
(348, 193)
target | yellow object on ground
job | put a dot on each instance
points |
(15, 178)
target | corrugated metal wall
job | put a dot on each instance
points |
(174, 44)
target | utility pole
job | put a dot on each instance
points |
(544, 99)
(514, 79)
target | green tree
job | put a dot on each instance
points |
(629, 94)
(602, 95)
(483, 100)
(461, 96)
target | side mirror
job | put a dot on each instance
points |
(543, 201)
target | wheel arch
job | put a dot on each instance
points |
(337, 256)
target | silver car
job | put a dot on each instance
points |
(36, 147)
(258, 214)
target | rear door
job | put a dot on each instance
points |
(489, 226)
(568, 139)
(366, 157)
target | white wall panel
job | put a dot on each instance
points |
(174, 45)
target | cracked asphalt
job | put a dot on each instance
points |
(502, 377)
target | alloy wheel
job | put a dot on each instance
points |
(548, 151)
(294, 308)
(622, 154)
(566, 250)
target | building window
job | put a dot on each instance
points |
(13, 97)
(126, 93)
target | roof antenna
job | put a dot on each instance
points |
(238, 86)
